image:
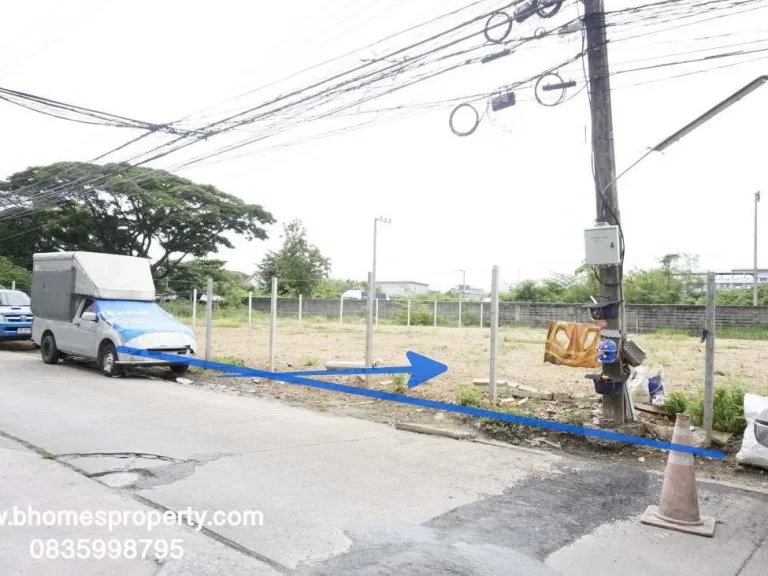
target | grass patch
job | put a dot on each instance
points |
(670, 335)
(742, 332)
(231, 360)
(469, 396)
(507, 431)
(399, 384)
(309, 361)
(575, 417)
(227, 323)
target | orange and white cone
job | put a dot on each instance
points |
(679, 508)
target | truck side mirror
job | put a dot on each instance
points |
(90, 316)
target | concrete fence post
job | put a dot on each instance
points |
(250, 308)
(494, 344)
(194, 308)
(376, 306)
(208, 319)
(273, 325)
(408, 323)
(709, 359)
(13, 284)
(369, 327)
(341, 311)
(434, 316)
(299, 308)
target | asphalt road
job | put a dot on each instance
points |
(338, 495)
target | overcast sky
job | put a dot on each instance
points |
(517, 193)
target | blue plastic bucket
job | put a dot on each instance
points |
(655, 386)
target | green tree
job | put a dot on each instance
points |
(10, 273)
(195, 273)
(298, 265)
(120, 209)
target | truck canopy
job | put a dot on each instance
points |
(58, 278)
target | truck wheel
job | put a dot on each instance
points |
(179, 369)
(108, 362)
(49, 351)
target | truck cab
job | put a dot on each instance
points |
(15, 316)
(88, 305)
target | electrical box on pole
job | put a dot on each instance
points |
(602, 246)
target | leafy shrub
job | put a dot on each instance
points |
(676, 403)
(727, 410)
(469, 396)
(399, 384)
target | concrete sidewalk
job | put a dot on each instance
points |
(29, 481)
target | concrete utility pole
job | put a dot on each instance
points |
(754, 277)
(605, 182)
(208, 319)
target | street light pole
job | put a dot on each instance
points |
(462, 292)
(375, 242)
(754, 276)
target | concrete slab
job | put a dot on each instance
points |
(29, 482)
(631, 548)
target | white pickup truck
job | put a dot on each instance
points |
(88, 304)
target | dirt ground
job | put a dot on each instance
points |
(466, 352)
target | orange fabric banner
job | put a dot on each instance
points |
(572, 344)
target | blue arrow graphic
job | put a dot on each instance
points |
(291, 378)
(421, 370)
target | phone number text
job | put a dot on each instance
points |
(113, 549)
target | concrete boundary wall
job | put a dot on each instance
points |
(640, 318)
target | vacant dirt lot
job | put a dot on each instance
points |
(466, 352)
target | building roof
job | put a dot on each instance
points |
(401, 282)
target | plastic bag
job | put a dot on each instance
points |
(646, 385)
(752, 452)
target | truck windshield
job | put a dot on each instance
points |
(14, 299)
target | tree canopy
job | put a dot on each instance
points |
(120, 209)
(10, 274)
(299, 266)
(669, 283)
(194, 274)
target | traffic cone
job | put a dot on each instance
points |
(679, 508)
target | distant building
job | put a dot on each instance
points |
(467, 292)
(741, 278)
(402, 288)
